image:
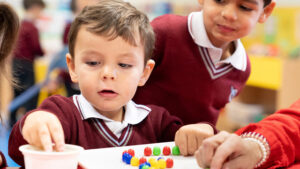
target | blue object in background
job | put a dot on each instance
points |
(4, 136)
(161, 8)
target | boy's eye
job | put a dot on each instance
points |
(245, 8)
(219, 1)
(123, 65)
(92, 63)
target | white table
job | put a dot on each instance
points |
(111, 158)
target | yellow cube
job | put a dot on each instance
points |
(134, 161)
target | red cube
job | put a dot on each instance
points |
(147, 151)
(170, 162)
(143, 160)
(166, 150)
(131, 152)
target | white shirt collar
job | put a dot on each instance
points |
(134, 113)
(197, 31)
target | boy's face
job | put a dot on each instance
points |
(36, 11)
(108, 71)
(228, 20)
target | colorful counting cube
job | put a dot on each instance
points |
(166, 150)
(145, 167)
(142, 166)
(134, 161)
(143, 160)
(126, 158)
(156, 151)
(131, 152)
(147, 151)
(153, 162)
(175, 150)
(169, 163)
(162, 164)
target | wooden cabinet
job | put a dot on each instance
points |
(274, 83)
(279, 78)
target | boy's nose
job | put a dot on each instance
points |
(109, 73)
(229, 12)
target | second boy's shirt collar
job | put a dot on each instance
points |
(197, 31)
(134, 113)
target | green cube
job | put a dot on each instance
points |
(156, 151)
(175, 150)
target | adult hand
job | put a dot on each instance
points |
(226, 150)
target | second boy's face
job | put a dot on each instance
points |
(228, 20)
(108, 71)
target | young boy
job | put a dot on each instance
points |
(110, 46)
(27, 49)
(200, 62)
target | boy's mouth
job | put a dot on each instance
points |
(107, 93)
(225, 28)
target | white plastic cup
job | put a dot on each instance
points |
(38, 159)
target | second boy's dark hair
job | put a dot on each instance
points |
(73, 5)
(27, 4)
(112, 19)
(267, 2)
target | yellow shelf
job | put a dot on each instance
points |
(266, 72)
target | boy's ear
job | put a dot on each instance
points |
(71, 67)
(147, 71)
(267, 12)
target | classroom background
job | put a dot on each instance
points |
(274, 50)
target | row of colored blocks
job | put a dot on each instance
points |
(157, 151)
(152, 163)
(129, 158)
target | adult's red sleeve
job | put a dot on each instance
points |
(282, 131)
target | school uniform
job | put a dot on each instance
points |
(189, 79)
(28, 45)
(282, 132)
(84, 126)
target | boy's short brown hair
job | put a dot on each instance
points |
(114, 18)
(27, 4)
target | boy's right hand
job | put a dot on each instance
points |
(189, 137)
(41, 128)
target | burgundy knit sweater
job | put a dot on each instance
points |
(184, 81)
(28, 45)
(158, 126)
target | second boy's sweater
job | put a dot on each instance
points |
(185, 80)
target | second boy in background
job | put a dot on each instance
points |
(200, 62)
(110, 47)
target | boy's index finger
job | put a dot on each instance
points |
(57, 135)
(45, 139)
